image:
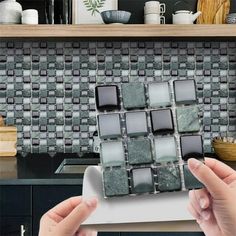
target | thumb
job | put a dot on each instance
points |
(215, 186)
(71, 224)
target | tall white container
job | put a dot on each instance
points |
(10, 12)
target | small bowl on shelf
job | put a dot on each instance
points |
(231, 18)
(225, 148)
(115, 17)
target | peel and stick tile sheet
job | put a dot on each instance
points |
(147, 133)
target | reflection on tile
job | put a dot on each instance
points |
(185, 91)
(191, 146)
(159, 94)
(142, 180)
(109, 126)
(139, 151)
(112, 154)
(136, 123)
(190, 181)
(162, 121)
(133, 95)
(165, 149)
(107, 98)
(115, 182)
(187, 119)
(168, 178)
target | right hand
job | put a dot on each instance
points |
(214, 207)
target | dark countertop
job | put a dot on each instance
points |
(39, 169)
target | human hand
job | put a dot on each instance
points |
(214, 207)
(66, 217)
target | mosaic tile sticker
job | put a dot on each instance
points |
(130, 139)
(47, 88)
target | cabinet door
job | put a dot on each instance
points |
(162, 234)
(12, 226)
(15, 200)
(46, 197)
(108, 234)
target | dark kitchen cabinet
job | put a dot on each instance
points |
(15, 200)
(46, 197)
(16, 225)
(161, 234)
(108, 234)
(15, 210)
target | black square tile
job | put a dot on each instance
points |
(162, 121)
(190, 181)
(107, 98)
(185, 91)
(191, 147)
(142, 180)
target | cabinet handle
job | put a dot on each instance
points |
(22, 230)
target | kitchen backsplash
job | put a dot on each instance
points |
(47, 87)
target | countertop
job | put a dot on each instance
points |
(39, 169)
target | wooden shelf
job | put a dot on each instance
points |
(116, 31)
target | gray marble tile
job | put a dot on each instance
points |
(168, 178)
(133, 95)
(139, 151)
(187, 119)
(115, 182)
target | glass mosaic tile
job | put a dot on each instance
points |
(185, 91)
(165, 149)
(136, 123)
(162, 121)
(159, 94)
(109, 126)
(142, 180)
(112, 154)
(191, 146)
(189, 180)
(107, 98)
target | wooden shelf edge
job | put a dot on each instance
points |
(116, 31)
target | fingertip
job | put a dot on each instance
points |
(92, 203)
(194, 164)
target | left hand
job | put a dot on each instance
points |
(66, 217)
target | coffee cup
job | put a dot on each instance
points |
(152, 7)
(154, 19)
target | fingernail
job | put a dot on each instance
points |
(194, 163)
(205, 215)
(91, 202)
(202, 203)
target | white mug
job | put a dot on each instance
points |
(30, 17)
(152, 7)
(154, 19)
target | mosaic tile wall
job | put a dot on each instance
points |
(47, 88)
